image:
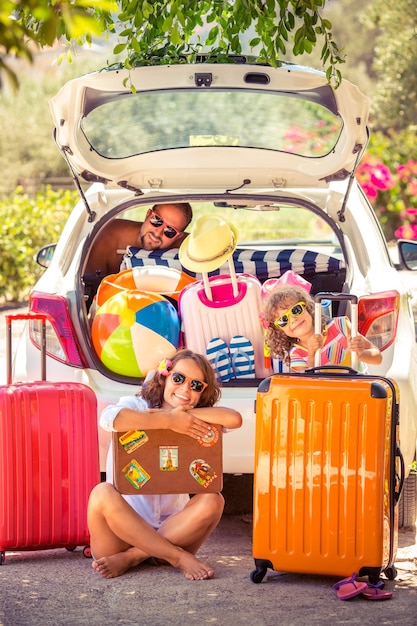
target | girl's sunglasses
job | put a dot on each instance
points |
(157, 221)
(196, 385)
(295, 311)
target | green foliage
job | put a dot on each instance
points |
(41, 22)
(164, 31)
(388, 175)
(27, 224)
(395, 62)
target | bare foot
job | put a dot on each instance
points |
(193, 569)
(115, 565)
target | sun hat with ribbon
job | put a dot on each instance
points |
(211, 242)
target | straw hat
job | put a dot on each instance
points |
(211, 242)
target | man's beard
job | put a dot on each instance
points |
(150, 244)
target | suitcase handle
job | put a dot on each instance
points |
(25, 316)
(354, 321)
(233, 279)
(398, 492)
(338, 370)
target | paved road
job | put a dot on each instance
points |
(57, 587)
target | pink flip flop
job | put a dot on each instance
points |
(375, 592)
(349, 588)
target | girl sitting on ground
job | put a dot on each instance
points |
(289, 319)
(126, 530)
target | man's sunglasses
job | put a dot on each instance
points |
(157, 221)
(196, 385)
(295, 311)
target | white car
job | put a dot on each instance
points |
(272, 150)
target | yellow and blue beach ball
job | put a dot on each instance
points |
(133, 330)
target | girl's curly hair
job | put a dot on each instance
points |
(284, 297)
(153, 390)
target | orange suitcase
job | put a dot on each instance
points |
(326, 482)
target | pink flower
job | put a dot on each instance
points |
(296, 134)
(370, 191)
(364, 170)
(406, 171)
(411, 188)
(407, 231)
(382, 178)
(403, 172)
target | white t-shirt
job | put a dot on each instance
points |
(154, 509)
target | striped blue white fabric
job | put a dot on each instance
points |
(262, 264)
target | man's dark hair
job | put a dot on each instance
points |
(187, 210)
(184, 207)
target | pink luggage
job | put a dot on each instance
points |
(220, 318)
(49, 460)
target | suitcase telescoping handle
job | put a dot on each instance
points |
(25, 316)
(233, 279)
(354, 321)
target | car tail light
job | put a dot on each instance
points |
(60, 337)
(378, 317)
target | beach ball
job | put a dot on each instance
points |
(134, 330)
(167, 281)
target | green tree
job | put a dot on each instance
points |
(27, 24)
(356, 39)
(395, 62)
(152, 31)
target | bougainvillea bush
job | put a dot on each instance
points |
(388, 176)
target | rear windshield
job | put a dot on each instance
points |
(125, 125)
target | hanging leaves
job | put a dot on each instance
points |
(166, 31)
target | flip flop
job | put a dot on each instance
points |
(349, 588)
(375, 592)
(243, 357)
(218, 355)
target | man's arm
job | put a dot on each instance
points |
(116, 236)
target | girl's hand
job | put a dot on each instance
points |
(314, 343)
(183, 422)
(356, 344)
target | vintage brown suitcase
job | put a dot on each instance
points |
(163, 461)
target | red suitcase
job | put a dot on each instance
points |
(328, 473)
(49, 460)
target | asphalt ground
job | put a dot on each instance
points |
(58, 587)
